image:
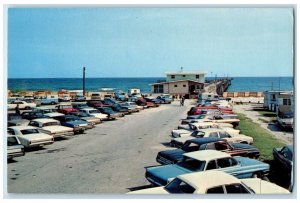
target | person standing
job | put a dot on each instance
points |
(18, 110)
(182, 101)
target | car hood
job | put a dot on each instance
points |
(244, 161)
(174, 155)
(155, 190)
(57, 128)
(36, 136)
(264, 187)
(165, 172)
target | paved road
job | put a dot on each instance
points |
(107, 159)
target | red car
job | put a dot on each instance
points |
(143, 102)
(97, 104)
(66, 109)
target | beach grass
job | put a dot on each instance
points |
(263, 139)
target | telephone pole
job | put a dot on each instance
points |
(83, 82)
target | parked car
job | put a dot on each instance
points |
(64, 99)
(283, 156)
(44, 109)
(95, 96)
(109, 112)
(211, 132)
(132, 106)
(153, 100)
(78, 125)
(206, 112)
(79, 98)
(33, 115)
(96, 103)
(80, 106)
(120, 109)
(22, 105)
(219, 183)
(95, 112)
(285, 120)
(30, 136)
(65, 109)
(216, 119)
(51, 127)
(240, 167)
(121, 96)
(202, 125)
(110, 101)
(87, 117)
(235, 149)
(165, 99)
(14, 147)
(143, 102)
(49, 99)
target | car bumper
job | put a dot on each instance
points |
(15, 154)
(62, 134)
(40, 144)
(78, 129)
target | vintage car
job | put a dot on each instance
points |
(78, 125)
(212, 132)
(283, 156)
(154, 100)
(80, 98)
(120, 109)
(132, 106)
(33, 115)
(30, 136)
(203, 123)
(65, 109)
(204, 112)
(22, 105)
(80, 106)
(87, 117)
(235, 149)
(44, 109)
(240, 167)
(188, 129)
(216, 119)
(96, 103)
(165, 99)
(110, 101)
(14, 147)
(95, 112)
(51, 127)
(214, 182)
(112, 115)
(190, 119)
(286, 120)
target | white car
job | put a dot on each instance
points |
(54, 114)
(212, 132)
(30, 136)
(51, 127)
(94, 112)
(192, 127)
(14, 147)
(214, 182)
(204, 124)
(22, 105)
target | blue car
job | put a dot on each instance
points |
(239, 167)
(78, 125)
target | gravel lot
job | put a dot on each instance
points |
(109, 158)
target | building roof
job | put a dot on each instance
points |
(185, 72)
(176, 81)
(202, 181)
(206, 155)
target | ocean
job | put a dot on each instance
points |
(238, 84)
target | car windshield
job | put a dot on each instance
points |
(29, 131)
(192, 164)
(94, 111)
(11, 141)
(178, 186)
(50, 124)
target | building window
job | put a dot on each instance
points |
(175, 85)
(158, 89)
(273, 97)
(184, 85)
(197, 76)
(173, 76)
(286, 102)
(183, 76)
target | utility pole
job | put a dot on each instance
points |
(83, 82)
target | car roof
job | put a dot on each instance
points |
(22, 127)
(201, 181)
(54, 114)
(205, 140)
(207, 155)
(45, 120)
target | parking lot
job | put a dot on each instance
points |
(109, 158)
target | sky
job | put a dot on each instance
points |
(147, 42)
